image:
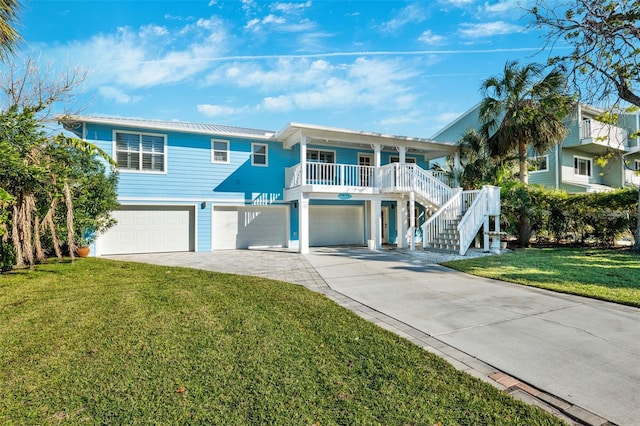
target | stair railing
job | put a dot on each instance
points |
(448, 213)
(472, 220)
(397, 177)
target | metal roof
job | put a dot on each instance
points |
(71, 121)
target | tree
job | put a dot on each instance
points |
(59, 186)
(605, 41)
(478, 166)
(523, 110)
(9, 37)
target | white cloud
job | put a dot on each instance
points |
(457, 3)
(217, 110)
(447, 117)
(428, 37)
(147, 57)
(412, 13)
(489, 29)
(291, 7)
(503, 6)
(277, 104)
(117, 95)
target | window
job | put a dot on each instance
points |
(259, 152)
(582, 166)
(636, 165)
(539, 163)
(140, 151)
(318, 156)
(396, 159)
(219, 151)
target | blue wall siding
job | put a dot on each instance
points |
(191, 175)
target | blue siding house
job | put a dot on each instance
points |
(202, 187)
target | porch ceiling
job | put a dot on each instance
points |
(293, 133)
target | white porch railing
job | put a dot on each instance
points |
(331, 174)
(398, 177)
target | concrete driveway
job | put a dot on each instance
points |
(580, 356)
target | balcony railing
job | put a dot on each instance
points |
(599, 133)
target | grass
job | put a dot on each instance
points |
(105, 342)
(612, 275)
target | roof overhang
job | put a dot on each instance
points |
(293, 134)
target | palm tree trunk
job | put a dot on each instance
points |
(524, 221)
(636, 242)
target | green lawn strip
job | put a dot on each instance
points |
(105, 342)
(612, 275)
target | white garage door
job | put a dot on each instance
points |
(336, 225)
(149, 229)
(244, 227)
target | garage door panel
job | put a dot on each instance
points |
(249, 226)
(150, 229)
(336, 225)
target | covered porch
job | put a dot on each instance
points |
(365, 179)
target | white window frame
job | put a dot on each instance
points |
(227, 151)
(254, 145)
(546, 163)
(141, 152)
(396, 159)
(576, 169)
(318, 150)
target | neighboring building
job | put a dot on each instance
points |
(572, 164)
(200, 187)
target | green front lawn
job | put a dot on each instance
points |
(105, 342)
(612, 275)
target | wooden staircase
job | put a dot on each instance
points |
(447, 238)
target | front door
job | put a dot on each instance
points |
(365, 172)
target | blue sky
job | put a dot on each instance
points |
(397, 67)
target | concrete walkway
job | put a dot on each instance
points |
(576, 357)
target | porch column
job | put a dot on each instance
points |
(375, 239)
(376, 154)
(303, 223)
(402, 151)
(303, 160)
(401, 222)
(412, 221)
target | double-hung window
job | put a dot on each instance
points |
(582, 166)
(219, 151)
(259, 154)
(141, 152)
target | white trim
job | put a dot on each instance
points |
(155, 200)
(213, 151)
(114, 153)
(266, 154)
(408, 160)
(590, 160)
(636, 165)
(546, 157)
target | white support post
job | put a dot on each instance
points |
(303, 161)
(495, 240)
(412, 221)
(376, 154)
(375, 237)
(303, 223)
(401, 222)
(485, 227)
(402, 151)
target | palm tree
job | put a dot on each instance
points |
(522, 111)
(9, 37)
